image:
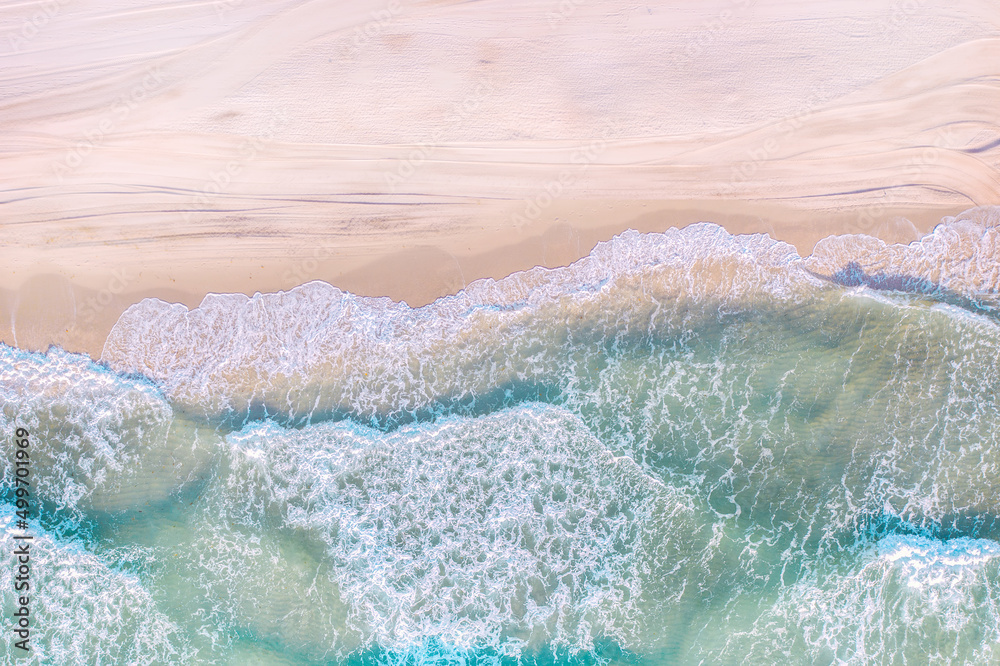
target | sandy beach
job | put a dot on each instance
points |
(500, 332)
(405, 149)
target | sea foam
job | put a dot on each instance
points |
(98, 440)
(514, 531)
(315, 351)
(84, 610)
(911, 598)
(318, 350)
(687, 447)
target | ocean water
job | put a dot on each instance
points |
(686, 448)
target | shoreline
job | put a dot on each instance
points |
(75, 304)
(385, 169)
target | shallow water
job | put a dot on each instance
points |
(686, 448)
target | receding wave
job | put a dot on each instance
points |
(315, 352)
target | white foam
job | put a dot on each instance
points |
(97, 439)
(529, 526)
(83, 610)
(316, 350)
(962, 254)
(918, 599)
(506, 531)
(928, 562)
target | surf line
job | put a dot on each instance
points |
(22, 542)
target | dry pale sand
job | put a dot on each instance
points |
(407, 148)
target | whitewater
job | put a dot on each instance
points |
(688, 447)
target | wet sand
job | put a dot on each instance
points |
(77, 311)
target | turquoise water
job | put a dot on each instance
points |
(687, 448)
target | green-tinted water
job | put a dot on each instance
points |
(678, 463)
